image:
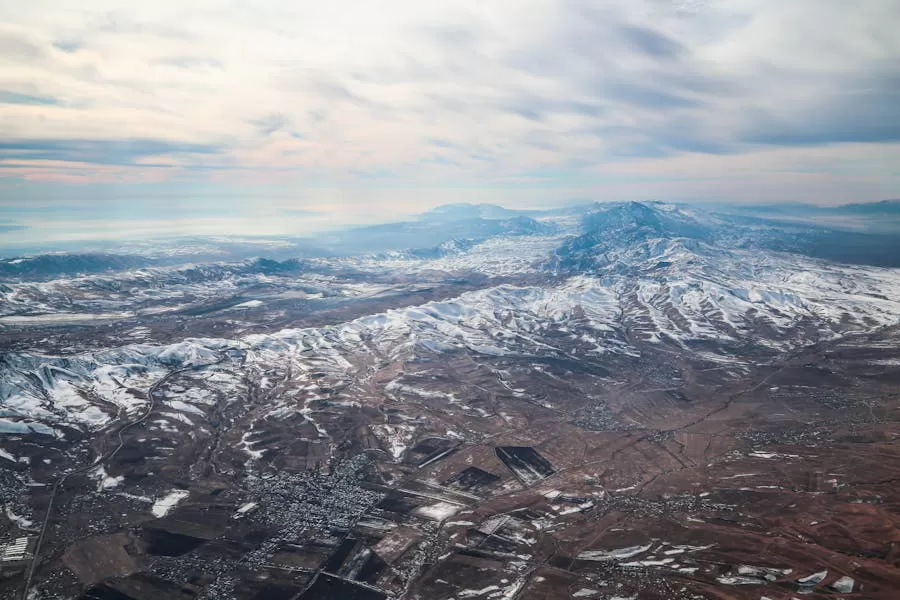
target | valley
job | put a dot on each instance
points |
(645, 402)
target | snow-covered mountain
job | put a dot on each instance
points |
(639, 274)
(607, 398)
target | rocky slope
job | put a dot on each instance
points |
(651, 406)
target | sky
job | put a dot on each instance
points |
(124, 119)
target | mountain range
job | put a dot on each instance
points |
(623, 400)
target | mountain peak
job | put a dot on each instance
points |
(663, 220)
(630, 227)
(464, 211)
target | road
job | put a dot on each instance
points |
(151, 406)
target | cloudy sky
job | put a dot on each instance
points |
(277, 116)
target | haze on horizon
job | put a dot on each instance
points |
(141, 119)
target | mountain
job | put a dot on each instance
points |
(626, 227)
(655, 401)
(430, 232)
(54, 265)
(613, 232)
(465, 211)
(865, 218)
(884, 207)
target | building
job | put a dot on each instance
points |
(16, 555)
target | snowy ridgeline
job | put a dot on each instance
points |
(672, 294)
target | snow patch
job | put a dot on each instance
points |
(439, 511)
(163, 505)
(617, 554)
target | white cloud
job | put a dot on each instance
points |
(433, 94)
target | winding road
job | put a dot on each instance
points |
(151, 406)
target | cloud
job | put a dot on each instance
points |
(104, 152)
(441, 95)
(653, 43)
(299, 212)
(862, 109)
(17, 98)
(17, 44)
(191, 63)
(271, 123)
